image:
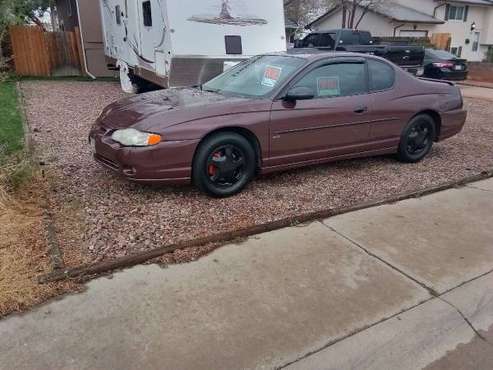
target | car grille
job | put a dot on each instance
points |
(107, 162)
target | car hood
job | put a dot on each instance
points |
(165, 108)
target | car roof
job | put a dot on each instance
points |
(315, 54)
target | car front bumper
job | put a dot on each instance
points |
(169, 162)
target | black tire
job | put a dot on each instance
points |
(417, 139)
(224, 164)
(142, 86)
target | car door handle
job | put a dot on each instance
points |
(361, 110)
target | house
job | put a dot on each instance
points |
(86, 15)
(291, 28)
(469, 23)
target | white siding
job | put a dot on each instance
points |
(460, 31)
(376, 24)
(487, 34)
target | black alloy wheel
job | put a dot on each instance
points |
(224, 164)
(417, 139)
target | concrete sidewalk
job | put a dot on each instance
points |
(477, 92)
(396, 286)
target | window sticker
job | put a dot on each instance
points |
(271, 76)
(329, 86)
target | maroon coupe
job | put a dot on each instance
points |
(272, 113)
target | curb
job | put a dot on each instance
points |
(136, 259)
(28, 138)
(55, 253)
(473, 84)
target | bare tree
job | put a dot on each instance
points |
(303, 11)
(350, 17)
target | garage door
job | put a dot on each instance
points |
(413, 33)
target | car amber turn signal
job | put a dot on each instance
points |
(153, 139)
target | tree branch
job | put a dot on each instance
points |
(38, 22)
(365, 10)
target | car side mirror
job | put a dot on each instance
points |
(300, 93)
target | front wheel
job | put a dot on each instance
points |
(417, 139)
(224, 164)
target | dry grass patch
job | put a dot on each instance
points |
(24, 252)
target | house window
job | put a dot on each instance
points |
(457, 51)
(456, 13)
(147, 13)
(118, 15)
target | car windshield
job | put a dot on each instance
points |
(441, 54)
(255, 77)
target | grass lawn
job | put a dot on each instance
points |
(11, 130)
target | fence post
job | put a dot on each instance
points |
(80, 52)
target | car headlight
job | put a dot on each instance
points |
(133, 137)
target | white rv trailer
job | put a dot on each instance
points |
(175, 43)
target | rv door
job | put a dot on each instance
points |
(152, 28)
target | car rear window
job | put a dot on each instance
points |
(382, 75)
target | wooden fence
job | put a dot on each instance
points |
(441, 40)
(39, 53)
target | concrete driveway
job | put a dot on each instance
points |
(402, 286)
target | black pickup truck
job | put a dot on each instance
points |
(408, 57)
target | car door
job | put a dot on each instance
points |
(389, 112)
(335, 122)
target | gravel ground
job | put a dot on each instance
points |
(100, 216)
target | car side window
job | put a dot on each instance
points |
(382, 75)
(335, 80)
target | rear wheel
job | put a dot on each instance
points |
(224, 164)
(417, 139)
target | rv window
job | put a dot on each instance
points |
(118, 15)
(147, 13)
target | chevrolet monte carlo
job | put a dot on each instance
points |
(272, 113)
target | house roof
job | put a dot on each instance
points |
(290, 24)
(394, 11)
(401, 13)
(474, 2)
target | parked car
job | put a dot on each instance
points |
(441, 64)
(275, 112)
(408, 57)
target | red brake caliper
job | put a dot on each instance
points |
(213, 169)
